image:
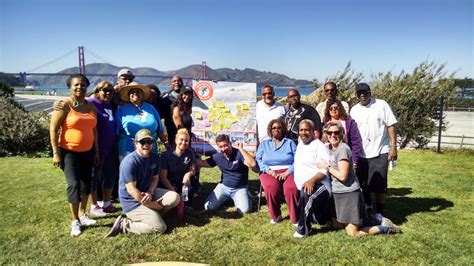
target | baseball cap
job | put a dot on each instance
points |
(362, 87)
(186, 89)
(125, 72)
(143, 134)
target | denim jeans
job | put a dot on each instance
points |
(222, 193)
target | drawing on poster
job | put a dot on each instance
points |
(223, 108)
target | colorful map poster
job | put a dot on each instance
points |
(223, 108)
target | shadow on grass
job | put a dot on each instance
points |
(399, 207)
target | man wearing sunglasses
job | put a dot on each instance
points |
(139, 196)
(297, 112)
(376, 123)
(330, 92)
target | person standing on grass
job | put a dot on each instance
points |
(330, 92)
(234, 164)
(348, 199)
(312, 181)
(169, 98)
(74, 141)
(376, 123)
(266, 110)
(298, 111)
(140, 198)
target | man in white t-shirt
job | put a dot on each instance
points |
(313, 182)
(376, 123)
(266, 110)
(330, 92)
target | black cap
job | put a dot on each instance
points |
(362, 87)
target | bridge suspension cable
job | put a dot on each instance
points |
(53, 61)
(102, 59)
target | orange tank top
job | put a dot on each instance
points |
(77, 131)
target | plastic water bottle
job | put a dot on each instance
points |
(392, 165)
(184, 193)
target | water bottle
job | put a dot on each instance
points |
(184, 193)
(392, 165)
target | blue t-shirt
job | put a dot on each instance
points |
(268, 155)
(130, 119)
(235, 173)
(141, 170)
(177, 166)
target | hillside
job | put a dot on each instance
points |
(162, 77)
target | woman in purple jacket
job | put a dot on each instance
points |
(335, 112)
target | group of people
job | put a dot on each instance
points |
(325, 162)
(314, 161)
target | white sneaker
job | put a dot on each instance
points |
(85, 220)
(298, 235)
(75, 228)
(276, 220)
(295, 225)
(97, 211)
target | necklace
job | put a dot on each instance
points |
(76, 103)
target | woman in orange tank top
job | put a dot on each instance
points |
(75, 148)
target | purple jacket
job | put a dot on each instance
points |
(353, 138)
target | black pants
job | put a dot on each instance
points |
(313, 208)
(77, 168)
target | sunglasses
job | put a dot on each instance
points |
(134, 91)
(293, 96)
(359, 93)
(337, 132)
(146, 141)
(329, 90)
(275, 128)
(333, 108)
(107, 91)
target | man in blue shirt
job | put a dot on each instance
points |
(140, 199)
(234, 164)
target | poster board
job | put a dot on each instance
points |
(223, 108)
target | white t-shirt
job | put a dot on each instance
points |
(372, 121)
(306, 157)
(265, 114)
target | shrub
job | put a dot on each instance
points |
(21, 132)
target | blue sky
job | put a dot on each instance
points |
(301, 39)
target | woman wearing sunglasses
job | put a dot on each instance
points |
(335, 112)
(106, 171)
(348, 200)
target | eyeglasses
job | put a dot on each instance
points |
(143, 142)
(333, 108)
(359, 93)
(293, 96)
(337, 132)
(329, 90)
(275, 128)
(107, 91)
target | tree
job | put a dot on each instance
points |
(6, 90)
(414, 98)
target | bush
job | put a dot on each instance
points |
(414, 98)
(21, 132)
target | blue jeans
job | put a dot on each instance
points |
(222, 193)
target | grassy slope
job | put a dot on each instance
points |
(430, 195)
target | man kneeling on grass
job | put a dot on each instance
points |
(234, 164)
(142, 202)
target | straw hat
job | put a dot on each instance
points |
(134, 85)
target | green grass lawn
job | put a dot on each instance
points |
(430, 196)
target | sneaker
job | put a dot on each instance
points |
(295, 224)
(116, 228)
(378, 217)
(387, 222)
(75, 228)
(85, 220)
(276, 220)
(110, 209)
(298, 235)
(97, 212)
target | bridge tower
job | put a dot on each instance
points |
(82, 65)
(203, 70)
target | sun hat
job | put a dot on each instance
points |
(143, 134)
(125, 72)
(134, 85)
